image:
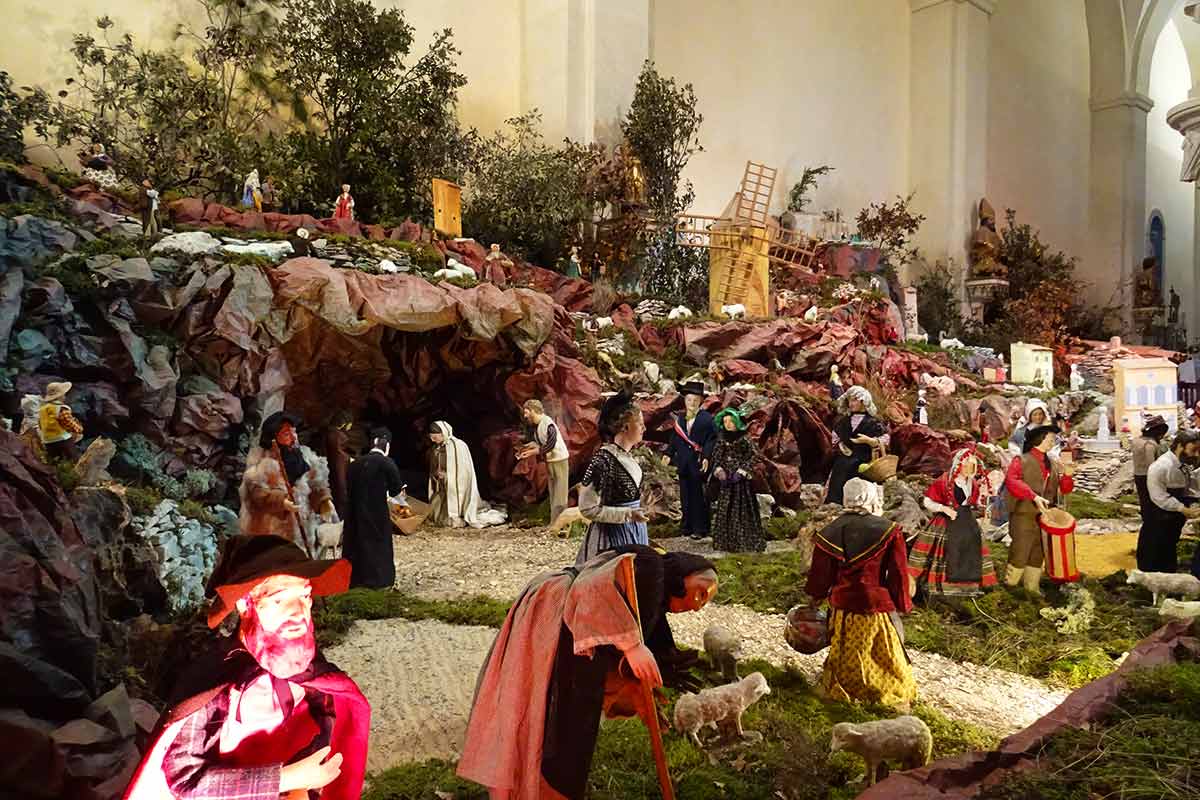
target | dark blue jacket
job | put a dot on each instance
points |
(683, 456)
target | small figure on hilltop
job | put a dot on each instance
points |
(300, 242)
(285, 489)
(574, 266)
(261, 713)
(344, 207)
(60, 432)
(836, 390)
(149, 205)
(269, 197)
(249, 187)
(98, 167)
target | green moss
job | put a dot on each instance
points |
(792, 762)
(534, 516)
(1003, 629)
(108, 245)
(248, 260)
(767, 582)
(142, 500)
(1146, 747)
(75, 277)
(68, 478)
(786, 528)
(337, 614)
(1084, 505)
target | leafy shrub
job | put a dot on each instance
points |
(891, 227)
(937, 300)
(798, 198)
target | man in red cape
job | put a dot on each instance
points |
(263, 714)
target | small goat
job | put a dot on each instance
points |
(1162, 584)
(906, 739)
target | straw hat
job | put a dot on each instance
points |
(57, 391)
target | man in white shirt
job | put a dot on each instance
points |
(1171, 505)
(549, 444)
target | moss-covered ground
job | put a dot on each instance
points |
(791, 763)
(1084, 505)
(335, 615)
(1145, 748)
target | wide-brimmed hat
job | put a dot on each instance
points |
(57, 391)
(692, 387)
(250, 560)
(272, 424)
(1035, 435)
(1154, 423)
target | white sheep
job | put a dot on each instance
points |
(951, 344)
(680, 312)
(811, 314)
(1165, 583)
(600, 323)
(721, 706)
(735, 311)
(919, 337)
(1180, 609)
(906, 739)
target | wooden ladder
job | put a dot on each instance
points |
(754, 198)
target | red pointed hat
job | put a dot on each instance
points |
(249, 560)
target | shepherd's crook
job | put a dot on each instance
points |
(626, 578)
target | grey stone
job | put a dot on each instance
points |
(276, 251)
(192, 243)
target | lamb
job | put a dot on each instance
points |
(1180, 609)
(905, 739)
(919, 337)
(680, 312)
(566, 519)
(599, 323)
(1165, 583)
(723, 648)
(721, 706)
(734, 311)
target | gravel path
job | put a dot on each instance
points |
(420, 676)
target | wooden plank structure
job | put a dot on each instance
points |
(447, 208)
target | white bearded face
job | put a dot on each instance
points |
(277, 625)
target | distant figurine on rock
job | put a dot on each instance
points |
(249, 187)
(149, 205)
(344, 207)
(59, 430)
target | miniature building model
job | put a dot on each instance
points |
(1145, 386)
(447, 208)
(1032, 365)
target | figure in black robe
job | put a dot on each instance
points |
(690, 450)
(858, 419)
(367, 536)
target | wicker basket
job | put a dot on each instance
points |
(880, 469)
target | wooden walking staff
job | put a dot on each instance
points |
(291, 498)
(626, 578)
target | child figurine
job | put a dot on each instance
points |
(921, 414)
(344, 209)
(835, 384)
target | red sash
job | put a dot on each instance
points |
(679, 429)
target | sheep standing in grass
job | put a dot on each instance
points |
(723, 648)
(722, 706)
(1165, 583)
(906, 739)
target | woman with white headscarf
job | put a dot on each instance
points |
(861, 567)
(857, 436)
(251, 185)
(1037, 414)
(453, 492)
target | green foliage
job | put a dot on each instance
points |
(140, 458)
(786, 528)
(1144, 748)
(334, 618)
(526, 194)
(109, 245)
(68, 478)
(15, 113)
(797, 200)
(662, 128)
(891, 227)
(376, 120)
(937, 300)
(792, 762)
(675, 273)
(142, 500)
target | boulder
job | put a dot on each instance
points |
(185, 552)
(92, 467)
(189, 243)
(27, 240)
(124, 271)
(276, 251)
(922, 449)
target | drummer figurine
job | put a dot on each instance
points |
(1034, 483)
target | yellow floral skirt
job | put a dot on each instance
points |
(866, 661)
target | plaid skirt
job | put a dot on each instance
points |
(866, 661)
(928, 567)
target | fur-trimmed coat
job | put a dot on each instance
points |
(264, 491)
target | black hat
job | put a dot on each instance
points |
(1034, 436)
(1154, 423)
(612, 410)
(250, 560)
(692, 387)
(273, 423)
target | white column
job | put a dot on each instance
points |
(948, 144)
(1185, 118)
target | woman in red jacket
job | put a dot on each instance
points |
(950, 557)
(859, 564)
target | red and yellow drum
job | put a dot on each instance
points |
(1058, 543)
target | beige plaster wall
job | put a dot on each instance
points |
(1039, 123)
(1170, 80)
(36, 36)
(792, 83)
